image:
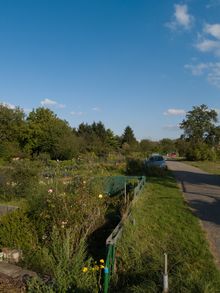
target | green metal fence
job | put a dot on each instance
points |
(109, 266)
(112, 240)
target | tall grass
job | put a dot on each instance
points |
(164, 223)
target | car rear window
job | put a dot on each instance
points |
(156, 158)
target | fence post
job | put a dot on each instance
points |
(165, 276)
(125, 192)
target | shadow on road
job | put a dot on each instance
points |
(202, 191)
(207, 211)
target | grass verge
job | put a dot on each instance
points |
(207, 166)
(162, 222)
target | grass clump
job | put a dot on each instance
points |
(164, 223)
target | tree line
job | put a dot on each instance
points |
(42, 134)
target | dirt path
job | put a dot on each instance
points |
(202, 191)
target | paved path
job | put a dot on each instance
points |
(202, 191)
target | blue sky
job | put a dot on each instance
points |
(133, 62)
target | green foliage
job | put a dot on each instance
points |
(19, 179)
(128, 137)
(6, 192)
(167, 146)
(10, 149)
(96, 138)
(163, 223)
(201, 135)
(66, 267)
(25, 177)
(199, 123)
(148, 146)
(135, 167)
(49, 134)
(200, 152)
(74, 205)
(12, 124)
(17, 231)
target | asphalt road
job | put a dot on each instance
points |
(202, 192)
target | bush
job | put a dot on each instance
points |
(135, 167)
(17, 231)
(24, 177)
(8, 150)
(200, 152)
(66, 267)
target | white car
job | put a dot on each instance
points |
(156, 161)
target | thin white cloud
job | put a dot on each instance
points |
(209, 40)
(96, 109)
(8, 105)
(76, 113)
(213, 30)
(197, 69)
(207, 45)
(181, 18)
(174, 112)
(48, 103)
(213, 3)
(211, 70)
(171, 127)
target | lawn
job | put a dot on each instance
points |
(162, 222)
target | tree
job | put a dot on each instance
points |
(148, 146)
(49, 134)
(128, 136)
(11, 123)
(167, 145)
(199, 123)
(12, 129)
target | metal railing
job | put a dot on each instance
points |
(113, 238)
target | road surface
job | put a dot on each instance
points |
(202, 192)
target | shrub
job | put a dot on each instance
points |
(6, 192)
(135, 167)
(200, 152)
(17, 231)
(24, 177)
(67, 263)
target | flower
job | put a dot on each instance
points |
(102, 267)
(50, 190)
(63, 223)
(96, 267)
(100, 196)
(85, 269)
(84, 182)
(102, 261)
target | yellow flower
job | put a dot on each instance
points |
(102, 261)
(100, 196)
(85, 269)
(102, 267)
